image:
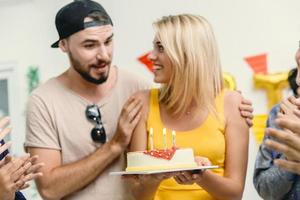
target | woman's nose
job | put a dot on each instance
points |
(151, 56)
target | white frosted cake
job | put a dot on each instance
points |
(160, 159)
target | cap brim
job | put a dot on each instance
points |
(55, 44)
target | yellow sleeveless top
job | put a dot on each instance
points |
(207, 140)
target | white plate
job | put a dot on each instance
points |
(165, 170)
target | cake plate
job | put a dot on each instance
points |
(194, 169)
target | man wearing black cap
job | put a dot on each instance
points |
(80, 123)
(72, 119)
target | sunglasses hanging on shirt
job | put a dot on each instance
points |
(98, 132)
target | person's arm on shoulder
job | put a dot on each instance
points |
(269, 180)
(60, 180)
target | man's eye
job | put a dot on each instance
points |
(89, 46)
(108, 42)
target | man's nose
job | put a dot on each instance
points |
(103, 53)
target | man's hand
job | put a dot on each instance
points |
(291, 166)
(129, 117)
(287, 108)
(288, 145)
(246, 110)
(296, 102)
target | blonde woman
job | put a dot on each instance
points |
(192, 101)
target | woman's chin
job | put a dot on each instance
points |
(159, 80)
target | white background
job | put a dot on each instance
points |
(243, 28)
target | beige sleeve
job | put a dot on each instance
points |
(145, 84)
(40, 126)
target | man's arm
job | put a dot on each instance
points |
(61, 180)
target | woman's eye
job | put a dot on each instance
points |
(160, 48)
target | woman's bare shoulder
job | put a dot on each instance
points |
(232, 98)
(142, 95)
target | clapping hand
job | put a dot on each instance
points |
(15, 172)
(4, 130)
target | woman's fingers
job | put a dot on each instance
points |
(202, 161)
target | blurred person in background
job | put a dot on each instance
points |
(271, 182)
(15, 172)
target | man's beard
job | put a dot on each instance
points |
(85, 75)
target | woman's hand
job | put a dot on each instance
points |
(190, 177)
(153, 179)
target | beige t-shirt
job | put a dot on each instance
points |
(56, 120)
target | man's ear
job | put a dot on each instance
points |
(63, 45)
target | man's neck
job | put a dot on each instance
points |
(89, 91)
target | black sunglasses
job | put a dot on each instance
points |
(98, 134)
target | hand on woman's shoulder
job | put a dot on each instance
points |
(232, 96)
(143, 96)
(232, 100)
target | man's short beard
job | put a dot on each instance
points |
(85, 75)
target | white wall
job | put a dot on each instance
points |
(243, 28)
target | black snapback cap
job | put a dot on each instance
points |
(70, 18)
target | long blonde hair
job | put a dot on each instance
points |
(189, 42)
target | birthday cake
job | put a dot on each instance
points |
(160, 159)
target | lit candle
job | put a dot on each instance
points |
(174, 138)
(151, 138)
(165, 138)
